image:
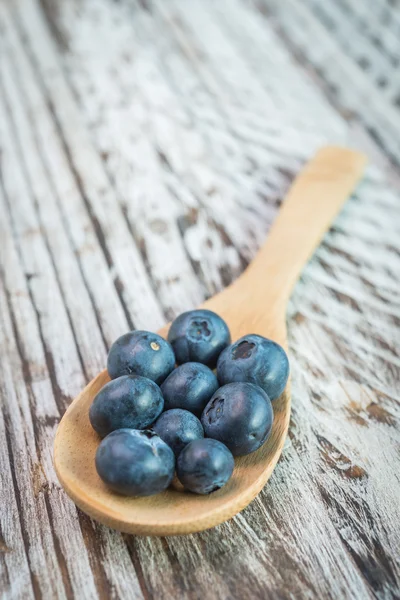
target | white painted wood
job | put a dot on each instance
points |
(95, 185)
(328, 54)
(144, 149)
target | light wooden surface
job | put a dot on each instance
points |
(256, 302)
(144, 149)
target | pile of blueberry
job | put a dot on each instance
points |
(156, 418)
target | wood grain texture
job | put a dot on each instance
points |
(111, 111)
(352, 41)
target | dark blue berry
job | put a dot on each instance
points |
(240, 415)
(257, 360)
(141, 353)
(178, 427)
(199, 336)
(129, 401)
(204, 466)
(135, 463)
(189, 386)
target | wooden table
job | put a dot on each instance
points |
(145, 146)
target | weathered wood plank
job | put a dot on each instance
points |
(143, 155)
(119, 577)
(121, 253)
(25, 465)
(329, 54)
(15, 575)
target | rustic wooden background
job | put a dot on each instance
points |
(145, 146)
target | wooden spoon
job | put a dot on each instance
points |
(254, 303)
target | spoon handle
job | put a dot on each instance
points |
(311, 205)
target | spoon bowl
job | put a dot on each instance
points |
(255, 303)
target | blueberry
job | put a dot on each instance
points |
(141, 353)
(189, 386)
(200, 336)
(129, 401)
(178, 427)
(240, 415)
(257, 360)
(135, 463)
(204, 466)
